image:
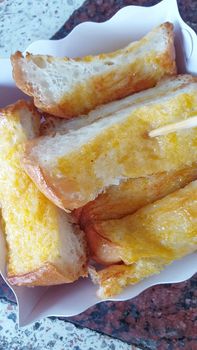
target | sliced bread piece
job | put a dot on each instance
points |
(72, 169)
(70, 87)
(53, 125)
(132, 194)
(44, 248)
(125, 199)
(150, 239)
(113, 279)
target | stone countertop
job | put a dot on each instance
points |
(22, 22)
(163, 317)
(50, 333)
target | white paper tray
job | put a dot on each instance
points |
(129, 24)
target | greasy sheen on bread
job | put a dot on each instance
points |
(70, 87)
(149, 239)
(124, 199)
(74, 168)
(43, 247)
(53, 125)
(130, 195)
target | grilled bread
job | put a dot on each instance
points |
(74, 168)
(43, 247)
(149, 239)
(70, 87)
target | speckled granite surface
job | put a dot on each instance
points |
(163, 317)
(22, 22)
(50, 334)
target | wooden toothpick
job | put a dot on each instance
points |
(167, 129)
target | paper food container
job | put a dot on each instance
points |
(129, 24)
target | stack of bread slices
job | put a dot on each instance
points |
(98, 171)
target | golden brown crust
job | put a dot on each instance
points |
(169, 58)
(46, 275)
(62, 269)
(129, 196)
(76, 214)
(76, 176)
(114, 278)
(110, 86)
(41, 180)
(101, 249)
(15, 107)
(17, 73)
(111, 280)
(45, 184)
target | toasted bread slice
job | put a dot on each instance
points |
(150, 239)
(124, 199)
(43, 247)
(166, 228)
(53, 125)
(121, 200)
(70, 87)
(113, 279)
(72, 169)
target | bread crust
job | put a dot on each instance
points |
(112, 279)
(129, 196)
(46, 275)
(21, 122)
(60, 189)
(101, 249)
(102, 88)
(45, 184)
(16, 106)
(10, 110)
(41, 180)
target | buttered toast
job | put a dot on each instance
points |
(44, 248)
(74, 168)
(52, 125)
(70, 87)
(150, 239)
(125, 199)
(130, 195)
